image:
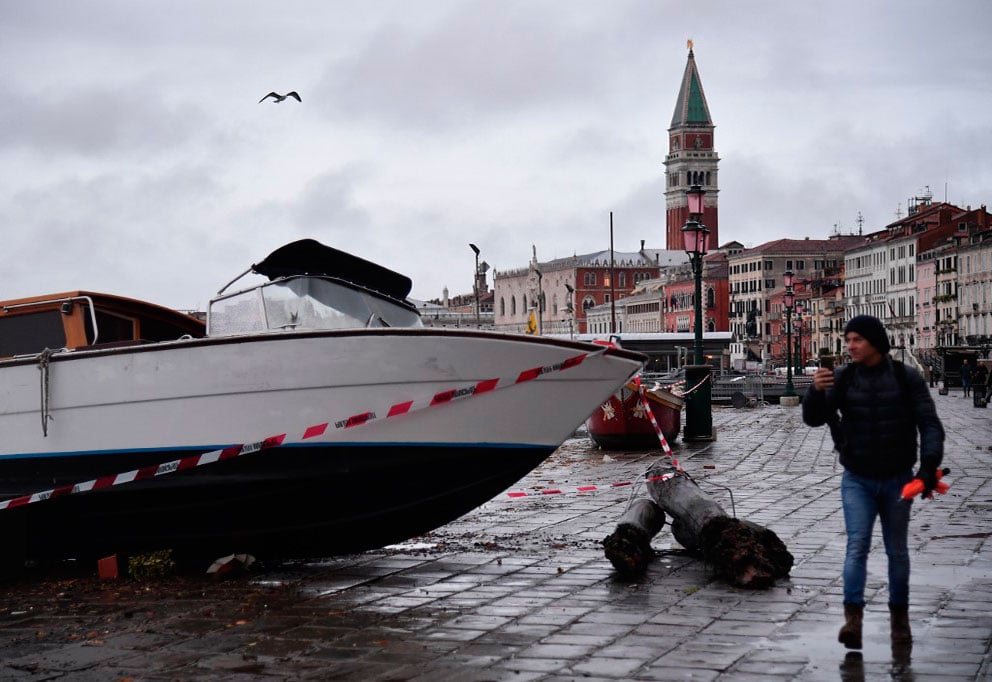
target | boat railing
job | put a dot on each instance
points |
(66, 303)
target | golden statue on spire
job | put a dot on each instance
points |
(688, 44)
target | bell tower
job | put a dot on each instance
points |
(691, 159)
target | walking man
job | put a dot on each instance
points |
(966, 377)
(882, 406)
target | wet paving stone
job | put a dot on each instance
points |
(520, 589)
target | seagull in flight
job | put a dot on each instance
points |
(278, 98)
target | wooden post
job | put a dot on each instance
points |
(742, 553)
(629, 547)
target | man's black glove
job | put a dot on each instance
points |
(927, 474)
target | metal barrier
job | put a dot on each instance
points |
(746, 389)
(756, 389)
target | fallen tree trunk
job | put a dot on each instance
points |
(629, 547)
(742, 553)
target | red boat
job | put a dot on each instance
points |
(622, 422)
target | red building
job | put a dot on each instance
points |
(678, 308)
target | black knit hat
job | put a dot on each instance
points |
(872, 330)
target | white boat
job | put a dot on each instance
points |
(315, 416)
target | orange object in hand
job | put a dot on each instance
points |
(915, 487)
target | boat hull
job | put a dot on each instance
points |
(621, 422)
(336, 484)
(285, 502)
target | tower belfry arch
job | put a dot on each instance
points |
(691, 158)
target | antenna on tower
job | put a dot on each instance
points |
(861, 223)
(899, 211)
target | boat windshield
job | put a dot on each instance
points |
(304, 302)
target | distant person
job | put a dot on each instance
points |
(882, 405)
(980, 382)
(930, 372)
(966, 378)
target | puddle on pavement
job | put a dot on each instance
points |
(269, 583)
(412, 546)
(828, 659)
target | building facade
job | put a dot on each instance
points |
(567, 288)
(927, 275)
(975, 260)
(755, 276)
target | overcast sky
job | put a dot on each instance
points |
(136, 159)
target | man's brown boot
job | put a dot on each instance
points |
(850, 633)
(899, 621)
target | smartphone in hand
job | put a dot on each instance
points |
(827, 362)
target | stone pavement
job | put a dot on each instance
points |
(520, 590)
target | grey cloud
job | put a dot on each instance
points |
(328, 203)
(97, 120)
(595, 142)
(123, 233)
(512, 123)
(479, 62)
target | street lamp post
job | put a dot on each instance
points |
(570, 309)
(540, 302)
(789, 298)
(475, 286)
(613, 293)
(800, 324)
(699, 409)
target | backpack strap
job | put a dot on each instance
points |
(899, 369)
(843, 381)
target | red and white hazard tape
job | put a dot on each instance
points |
(143, 473)
(666, 448)
(359, 419)
(586, 488)
(563, 491)
(444, 397)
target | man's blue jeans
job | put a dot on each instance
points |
(864, 499)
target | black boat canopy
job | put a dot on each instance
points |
(310, 257)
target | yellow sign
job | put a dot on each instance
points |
(531, 324)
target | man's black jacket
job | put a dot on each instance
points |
(879, 420)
